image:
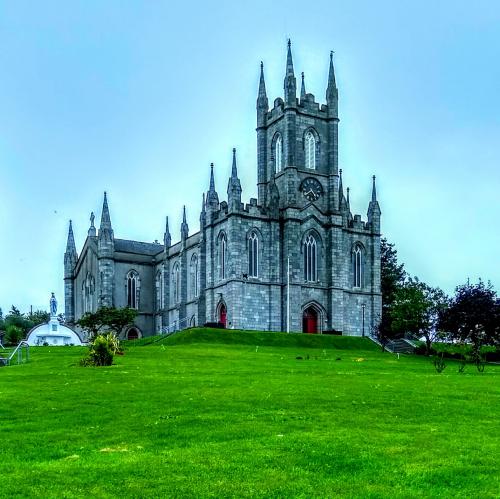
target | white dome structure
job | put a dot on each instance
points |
(53, 333)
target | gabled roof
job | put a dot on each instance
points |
(140, 248)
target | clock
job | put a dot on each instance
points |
(311, 189)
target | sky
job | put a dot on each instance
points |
(138, 98)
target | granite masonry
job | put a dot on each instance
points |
(294, 259)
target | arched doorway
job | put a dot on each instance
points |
(310, 320)
(222, 314)
(132, 334)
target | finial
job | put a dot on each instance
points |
(302, 88)
(184, 214)
(92, 218)
(289, 43)
(261, 66)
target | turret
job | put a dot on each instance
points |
(332, 93)
(290, 83)
(234, 187)
(212, 196)
(374, 209)
(262, 108)
(342, 199)
(70, 255)
(184, 226)
(70, 259)
(92, 231)
(203, 214)
(348, 207)
(167, 239)
(105, 251)
(262, 102)
(302, 88)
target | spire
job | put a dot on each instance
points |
(212, 181)
(92, 231)
(70, 245)
(348, 206)
(302, 88)
(70, 255)
(203, 216)
(212, 197)
(234, 171)
(289, 62)
(167, 239)
(105, 218)
(332, 94)
(234, 187)
(290, 84)
(374, 208)
(273, 197)
(262, 87)
(184, 225)
(342, 200)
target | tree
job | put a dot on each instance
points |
(107, 318)
(416, 309)
(473, 317)
(392, 277)
(38, 317)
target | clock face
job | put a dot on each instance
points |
(311, 189)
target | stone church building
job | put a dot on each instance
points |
(293, 259)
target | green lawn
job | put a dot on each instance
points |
(201, 414)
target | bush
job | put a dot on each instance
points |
(102, 350)
(13, 334)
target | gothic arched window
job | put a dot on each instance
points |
(194, 276)
(358, 266)
(133, 289)
(310, 259)
(176, 283)
(222, 256)
(159, 290)
(278, 154)
(253, 255)
(310, 150)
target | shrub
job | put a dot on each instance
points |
(101, 350)
(439, 363)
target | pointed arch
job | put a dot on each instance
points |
(133, 286)
(358, 263)
(313, 318)
(311, 143)
(194, 276)
(222, 254)
(277, 152)
(176, 282)
(159, 286)
(253, 254)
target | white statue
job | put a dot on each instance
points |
(53, 306)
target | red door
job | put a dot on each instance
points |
(310, 321)
(222, 315)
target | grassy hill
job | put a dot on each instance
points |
(204, 414)
(261, 338)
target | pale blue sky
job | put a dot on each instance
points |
(137, 98)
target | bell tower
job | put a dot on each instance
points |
(297, 143)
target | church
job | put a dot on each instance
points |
(294, 259)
